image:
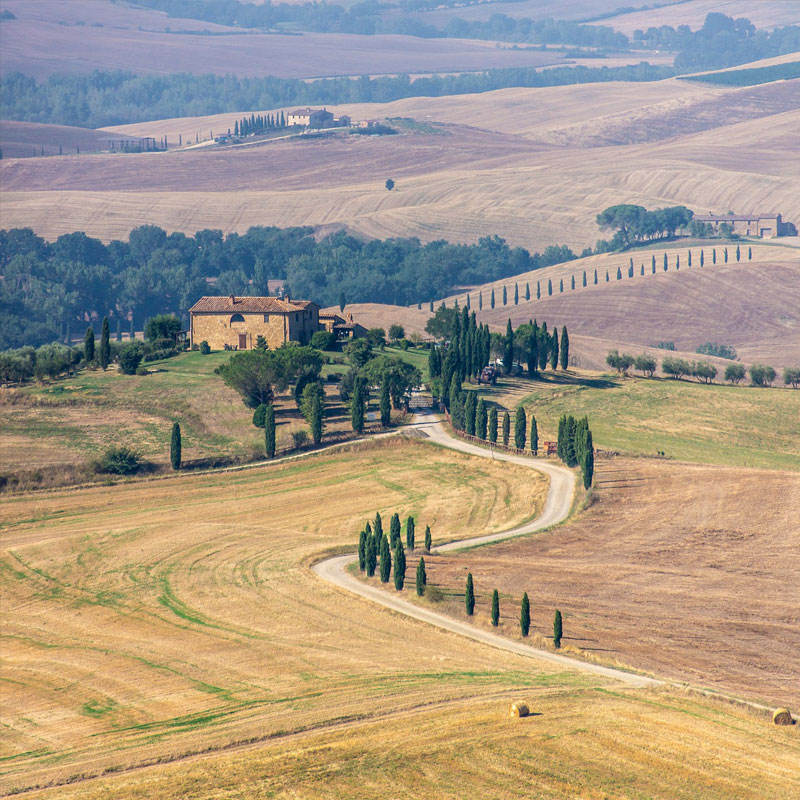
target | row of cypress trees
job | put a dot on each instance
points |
(378, 552)
(575, 447)
(101, 355)
(524, 611)
(258, 123)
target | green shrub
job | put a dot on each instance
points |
(204, 348)
(259, 415)
(323, 340)
(120, 461)
(130, 357)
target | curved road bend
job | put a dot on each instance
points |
(557, 508)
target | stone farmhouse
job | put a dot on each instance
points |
(237, 322)
(316, 118)
(762, 226)
(343, 328)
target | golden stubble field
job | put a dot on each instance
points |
(148, 620)
(152, 621)
(543, 163)
(670, 570)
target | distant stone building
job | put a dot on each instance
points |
(343, 328)
(237, 322)
(310, 118)
(762, 226)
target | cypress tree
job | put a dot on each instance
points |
(653, 260)
(619, 274)
(725, 255)
(480, 301)
(119, 329)
(573, 282)
(534, 435)
(481, 420)
(492, 425)
(587, 464)
(316, 418)
(516, 294)
(469, 597)
(505, 295)
(399, 566)
(666, 264)
(175, 446)
(468, 305)
(410, 533)
(533, 351)
(595, 277)
(506, 427)
(386, 409)
(491, 298)
(607, 279)
(561, 285)
(558, 629)
(642, 271)
(564, 353)
(749, 253)
(362, 550)
(371, 556)
(421, 577)
(269, 431)
(88, 345)
(569, 442)
(527, 291)
(430, 307)
(520, 424)
(377, 526)
(525, 615)
(549, 287)
(386, 560)
(394, 530)
(508, 352)
(105, 345)
(689, 258)
(428, 539)
(495, 608)
(470, 407)
(677, 262)
(554, 349)
(538, 290)
(357, 406)
(584, 278)
(702, 258)
(713, 255)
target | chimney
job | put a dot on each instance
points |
(233, 300)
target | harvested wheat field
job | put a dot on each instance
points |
(149, 620)
(182, 617)
(670, 570)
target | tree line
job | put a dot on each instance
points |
(705, 372)
(102, 99)
(384, 554)
(52, 290)
(258, 123)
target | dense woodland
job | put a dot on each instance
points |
(49, 290)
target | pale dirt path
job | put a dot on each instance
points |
(557, 508)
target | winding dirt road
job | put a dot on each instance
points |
(557, 508)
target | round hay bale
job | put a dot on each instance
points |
(782, 717)
(518, 710)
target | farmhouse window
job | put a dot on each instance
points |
(266, 317)
(237, 318)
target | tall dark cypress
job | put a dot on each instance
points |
(394, 530)
(560, 442)
(516, 294)
(377, 526)
(357, 406)
(410, 533)
(470, 407)
(481, 419)
(422, 578)
(399, 566)
(371, 556)
(564, 352)
(534, 435)
(316, 418)
(544, 346)
(386, 560)
(505, 295)
(527, 291)
(362, 550)
(175, 446)
(492, 425)
(428, 539)
(105, 345)
(508, 353)
(554, 349)
(495, 608)
(520, 424)
(386, 408)
(269, 431)
(587, 465)
(88, 345)
(533, 352)
(525, 615)
(469, 596)
(506, 428)
(558, 629)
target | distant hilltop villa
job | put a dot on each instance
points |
(762, 226)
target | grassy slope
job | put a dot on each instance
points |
(707, 424)
(76, 418)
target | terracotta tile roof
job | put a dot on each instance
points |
(248, 305)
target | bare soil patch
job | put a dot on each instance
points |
(686, 571)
